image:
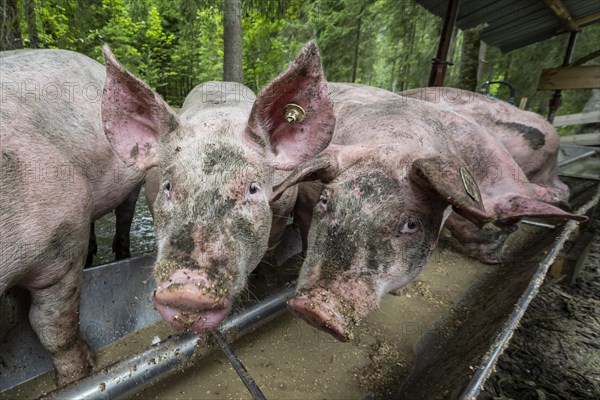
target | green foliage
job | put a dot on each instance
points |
(53, 27)
(155, 66)
(198, 54)
(406, 44)
(120, 32)
(266, 52)
(174, 45)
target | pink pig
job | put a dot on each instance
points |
(394, 167)
(59, 174)
(214, 166)
(528, 137)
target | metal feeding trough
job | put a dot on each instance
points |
(579, 161)
(440, 339)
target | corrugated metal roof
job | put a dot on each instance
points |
(511, 24)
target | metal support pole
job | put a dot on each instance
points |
(439, 63)
(250, 384)
(556, 97)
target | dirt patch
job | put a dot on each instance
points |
(555, 353)
(386, 363)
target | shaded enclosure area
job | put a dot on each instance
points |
(555, 353)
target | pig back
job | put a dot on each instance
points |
(54, 98)
(528, 137)
(212, 95)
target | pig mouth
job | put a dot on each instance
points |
(491, 254)
(186, 308)
(322, 316)
(184, 319)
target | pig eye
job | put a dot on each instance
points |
(410, 226)
(253, 188)
(323, 200)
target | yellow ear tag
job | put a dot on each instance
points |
(469, 184)
(294, 114)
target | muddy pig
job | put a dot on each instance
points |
(215, 163)
(528, 137)
(59, 174)
(394, 168)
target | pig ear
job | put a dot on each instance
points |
(325, 167)
(514, 207)
(293, 116)
(451, 179)
(133, 115)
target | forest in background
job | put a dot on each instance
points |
(174, 45)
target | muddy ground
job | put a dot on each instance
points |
(555, 353)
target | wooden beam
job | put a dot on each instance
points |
(584, 139)
(559, 9)
(585, 59)
(588, 19)
(577, 119)
(586, 77)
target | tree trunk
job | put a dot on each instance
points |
(452, 47)
(356, 46)
(407, 53)
(232, 39)
(469, 62)
(392, 75)
(482, 61)
(508, 64)
(34, 40)
(10, 31)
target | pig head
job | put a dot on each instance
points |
(215, 164)
(395, 168)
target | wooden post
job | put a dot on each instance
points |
(555, 100)
(523, 103)
(440, 63)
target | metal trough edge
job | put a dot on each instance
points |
(481, 374)
(127, 377)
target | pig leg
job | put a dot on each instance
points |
(124, 216)
(92, 248)
(308, 196)
(54, 316)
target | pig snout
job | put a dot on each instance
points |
(189, 301)
(321, 310)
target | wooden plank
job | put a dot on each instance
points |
(585, 59)
(588, 19)
(523, 103)
(584, 139)
(577, 119)
(586, 77)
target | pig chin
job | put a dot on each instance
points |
(488, 253)
(329, 312)
(189, 301)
